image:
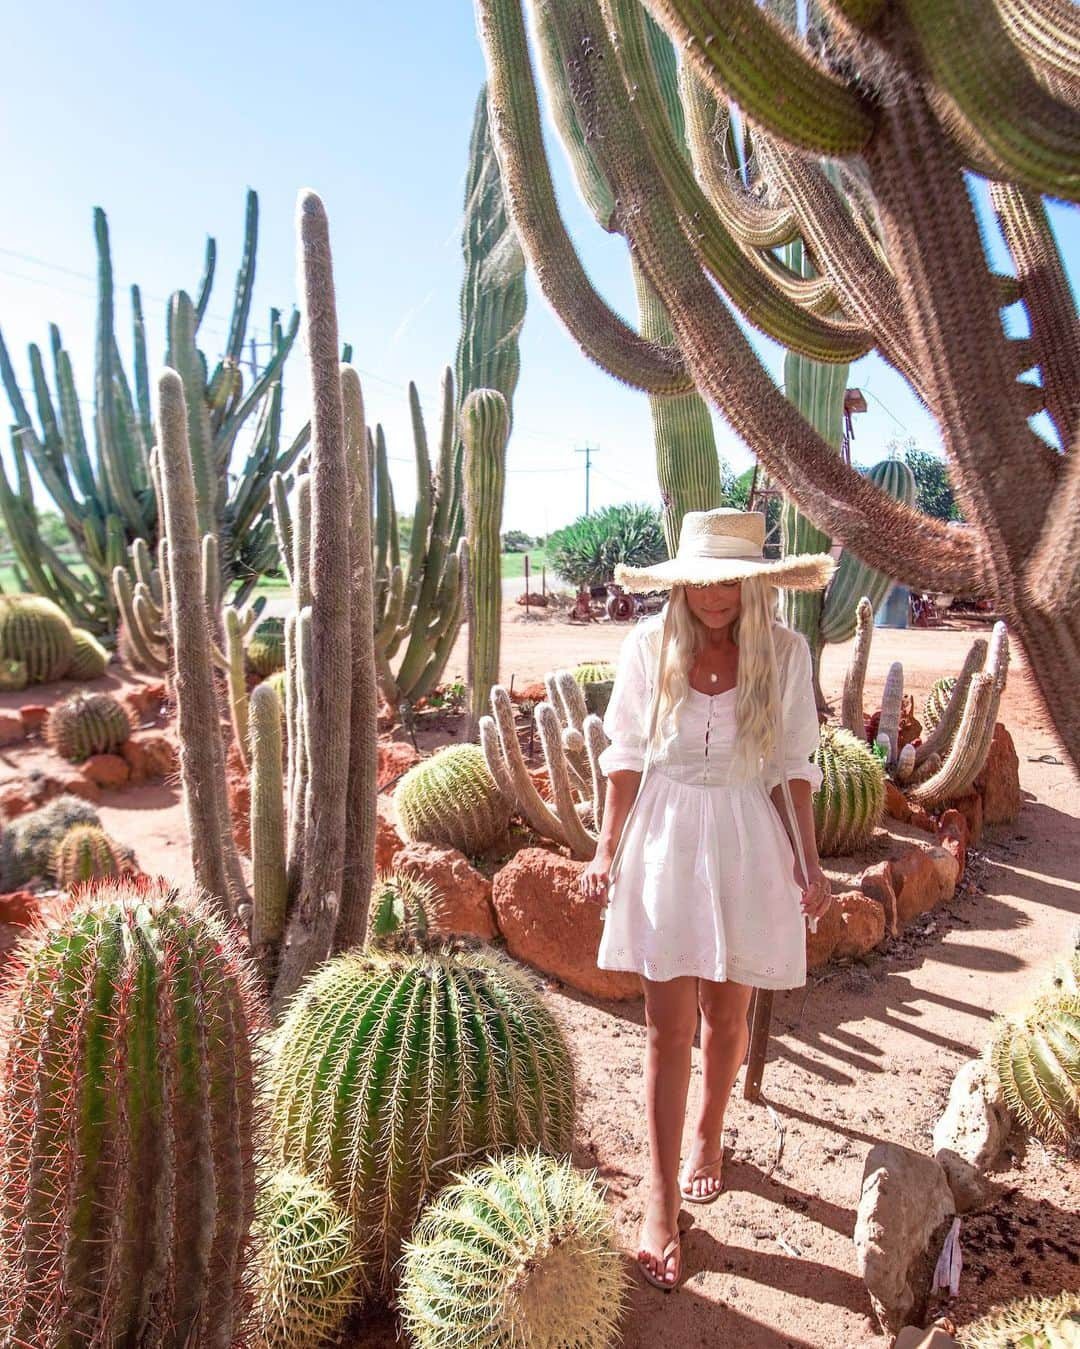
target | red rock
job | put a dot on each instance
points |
(922, 875)
(12, 729)
(999, 782)
(550, 924)
(876, 883)
(535, 692)
(821, 945)
(387, 839)
(386, 718)
(463, 906)
(16, 799)
(971, 807)
(18, 907)
(896, 803)
(33, 716)
(952, 835)
(149, 754)
(921, 818)
(146, 702)
(862, 924)
(75, 784)
(106, 770)
(395, 757)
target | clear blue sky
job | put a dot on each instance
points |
(164, 115)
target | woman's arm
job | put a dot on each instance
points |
(622, 786)
(816, 894)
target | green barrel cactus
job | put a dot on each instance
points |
(520, 1251)
(127, 1159)
(266, 650)
(405, 910)
(393, 1069)
(28, 843)
(850, 801)
(936, 702)
(87, 853)
(1028, 1323)
(89, 660)
(593, 672)
(1036, 1056)
(87, 723)
(36, 632)
(13, 676)
(305, 1269)
(452, 799)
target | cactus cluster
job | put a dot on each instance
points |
(36, 632)
(391, 1069)
(266, 648)
(1028, 1323)
(87, 853)
(851, 799)
(452, 799)
(87, 723)
(27, 844)
(127, 1158)
(520, 1250)
(1036, 1057)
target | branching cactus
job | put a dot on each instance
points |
(850, 802)
(392, 1070)
(452, 799)
(1036, 1057)
(127, 1162)
(36, 632)
(520, 1250)
(87, 723)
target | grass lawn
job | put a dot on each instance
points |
(513, 564)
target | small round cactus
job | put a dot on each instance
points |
(936, 702)
(13, 676)
(1028, 1323)
(266, 650)
(452, 799)
(404, 910)
(305, 1269)
(851, 798)
(1036, 1056)
(594, 672)
(28, 843)
(89, 660)
(85, 724)
(87, 853)
(36, 632)
(520, 1250)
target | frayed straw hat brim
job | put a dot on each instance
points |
(802, 571)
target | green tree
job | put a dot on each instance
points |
(933, 488)
(517, 541)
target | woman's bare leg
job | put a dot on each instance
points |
(671, 1008)
(724, 1036)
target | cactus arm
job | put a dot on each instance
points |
(147, 654)
(1048, 34)
(968, 749)
(74, 435)
(237, 685)
(581, 844)
(184, 357)
(596, 741)
(489, 743)
(11, 385)
(535, 810)
(206, 283)
(889, 722)
(260, 387)
(269, 889)
(421, 523)
(485, 428)
(293, 727)
(939, 738)
(569, 700)
(142, 368)
(283, 526)
(245, 280)
(852, 717)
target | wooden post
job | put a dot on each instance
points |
(760, 1017)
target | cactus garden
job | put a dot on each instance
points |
(314, 676)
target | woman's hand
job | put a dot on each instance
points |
(593, 882)
(817, 896)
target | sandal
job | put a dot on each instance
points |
(687, 1181)
(674, 1247)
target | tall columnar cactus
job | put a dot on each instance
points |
(852, 717)
(851, 799)
(435, 1058)
(905, 98)
(1027, 1323)
(1036, 1057)
(269, 885)
(87, 853)
(36, 632)
(87, 723)
(485, 428)
(520, 1250)
(127, 1157)
(451, 798)
(28, 843)
(305, 1268)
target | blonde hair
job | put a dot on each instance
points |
(757, 697)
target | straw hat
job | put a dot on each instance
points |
(726, 545)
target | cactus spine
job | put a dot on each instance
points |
(434, 1058)
(404, 911)
(520, 1250)
(127, 1162)
(87, 723)
(1028, 1323)
(36, 632)
(1036, 1056)
(485, 429)
(851, 799)
(452, 799)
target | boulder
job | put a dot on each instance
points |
(33, 716)
(969, 1187)
(876, 882)
(12, 729)
(998, 784)
(922, 875)
(106, 770)
(911, 1337)
(896, 803)
(395, 757)
(952, 835)
(464, 894)
(921, 818)
(905, 1211)
(550, 924)
(76, 784)
(387, 839)
(18, 907)
(862, 922)
(146, 702)
(821, 945)
(16, 798)
(971, 807)
(149, 754)
(976, 1123)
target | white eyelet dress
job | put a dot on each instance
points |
(704, 881)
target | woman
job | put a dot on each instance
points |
(711, 714)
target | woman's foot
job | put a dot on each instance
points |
(702, 1180)
(659, 1253)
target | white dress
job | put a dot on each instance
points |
(704, 879)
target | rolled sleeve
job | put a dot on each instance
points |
(801, 728)
(624, 720)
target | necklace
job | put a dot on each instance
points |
(714, 678)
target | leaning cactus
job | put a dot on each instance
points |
(1036, 1057)
(89, 660)
(87, 723)
(382, 1108)
(1028, 1323)
(36, 632)
(266, 650)
(451, 799)
(127, 1157)
(849, 803)
(28, 843)
(87, 853)
(305, 1268)
(520, 1250)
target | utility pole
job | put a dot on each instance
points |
(588, 452)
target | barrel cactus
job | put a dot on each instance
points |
(593, 672)
(87, 723)
(87, 853)
(1036, 1056)
(404, 910)
(1028, 1323)
(305, 1269)
(89, 659)
(13, 676)
(452, 799)
(391, 1069)
(597, 682)
(36, 632)
(28, 843)
(851, 798)
(266, 650)
(937, 700)
(126, 1162)
(520, 1251)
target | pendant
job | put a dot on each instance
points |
(714, 678)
